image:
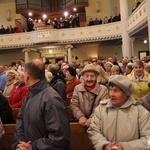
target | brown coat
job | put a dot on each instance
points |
(71, 85)
(83, 103)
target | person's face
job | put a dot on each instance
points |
(147, 68)
(110, 59)
(22, 62)
(114, 72)
(128, 71)
(89, 78)
(9, 78)
(117, 96)
(46, 66)
(108, 68)
(139, 70)
(67, 74)
(19, 78)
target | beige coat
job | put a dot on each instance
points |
(83, 101)
(8, 88)
(129, 125)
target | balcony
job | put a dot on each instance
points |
(138, 21)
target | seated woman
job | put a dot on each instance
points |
(5, 111)
(19, 91)
(115, 70)
(128, 69)
(10, 82)
(87, 95)
(72, 81)
(108, 66)
(121, 122)
(140, 80)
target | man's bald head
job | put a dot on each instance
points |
(35, 68)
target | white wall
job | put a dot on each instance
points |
(10, 5)
(8, 56)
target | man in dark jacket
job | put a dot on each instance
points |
(42, 122)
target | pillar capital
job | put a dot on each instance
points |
(26, 50)
(69, 46)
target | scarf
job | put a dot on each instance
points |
(89, 88)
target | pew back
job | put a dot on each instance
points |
(15, 112)
(5, 143)
(78, 137)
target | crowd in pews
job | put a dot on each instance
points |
(88, 88)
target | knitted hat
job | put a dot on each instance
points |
(72, 71)
(90, 68)
(108, 63)
(123, 83)
(11, 73)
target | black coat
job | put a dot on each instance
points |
(5, 111)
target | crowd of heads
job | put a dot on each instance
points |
(9, 29)
(105, 20)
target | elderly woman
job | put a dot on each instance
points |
(147, 67)
(87, 95)
(128, 69)
(140, 80)
(108, 66)
(121, 122)
(19, 91)
(115, 70)
(10, 82)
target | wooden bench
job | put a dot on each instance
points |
(5, 143)
(78, 137)
(15, 112)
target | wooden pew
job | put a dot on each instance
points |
(78, 137)
(15, 112)
(5, 143)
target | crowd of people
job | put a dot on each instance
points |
(108, 97)
(8, 29)
(105, 20)
(63, 22)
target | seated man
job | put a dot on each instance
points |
(86, 95)
(121, 122)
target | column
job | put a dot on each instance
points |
(69, 47)
(132, 46)
(148, 18)
(126, 45)
(26, 51)
(65, 58)
(43, 59)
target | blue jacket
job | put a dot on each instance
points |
(3, 80)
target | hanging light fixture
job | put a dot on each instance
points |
(145, 41)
